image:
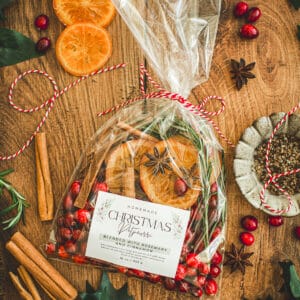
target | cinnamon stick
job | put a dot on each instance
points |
(29, 283)
(46, 291)
(44, 186)
(40, 268)
(21, 290)
(128, 182)
(91, 176)
(137, 132)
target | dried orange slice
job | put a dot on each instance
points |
(176, 152)
(83, 48)
(99, 12)
(124, 155)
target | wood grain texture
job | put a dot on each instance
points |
(73, 121)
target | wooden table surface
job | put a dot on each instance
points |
(73, 121)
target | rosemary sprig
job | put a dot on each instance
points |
(18, 201)
(165, 127)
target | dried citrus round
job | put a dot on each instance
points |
(163, 164)
(98, 12)
(83, 48)
(122, 157)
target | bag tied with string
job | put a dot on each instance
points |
(147, 197)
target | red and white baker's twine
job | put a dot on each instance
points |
(273, 177)
(49, 103)
(161, 93)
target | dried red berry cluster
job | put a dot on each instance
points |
(248, 30)
(41, 22)
(73, 225)
(193, 276)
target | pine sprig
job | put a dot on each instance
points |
(19, 202)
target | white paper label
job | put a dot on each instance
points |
(137, 234)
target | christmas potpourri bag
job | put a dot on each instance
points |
(147, 197)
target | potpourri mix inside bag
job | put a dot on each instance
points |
(157, 152)
(147, 197)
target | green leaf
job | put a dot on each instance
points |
(106, 291)
(15, 47)
(291, 284)
(6, 172)
(294, 282)
(4, 3)
(295, 3)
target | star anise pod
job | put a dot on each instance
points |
(238, 259)
(159, 161)
(190, 175)
(241, 72)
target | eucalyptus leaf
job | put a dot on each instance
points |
(106, 291)
(4, 3)
(15, 47)
(294, 282)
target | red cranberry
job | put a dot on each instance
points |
(197, 292)
(138, 273)
(191, 272)
(100, 186)
(154, 278)
(79, 259)
(41, 22)
(75, 188)
(192, 260)
(214, 271)
(214, 188)
(216, 232)
(199, 281)
(184, 287)
(50, 248)
(82, 216)
(240, 9)
(60, 221)
(184, 252)
(78, 235)
(253, 14)
(275, 220)
(170, 284)
(217, 258)
(211, 287)
(70, 247)
(249, 223)
(297, 232)
(42, 45)
(213, 201)
(66, 233)
(203, 268)
(62, 252)
(188, 235)
(180, 273)
(68, 202)
(247, 238)
(180, 187)
(69, 220)
(122, 270)
(249, 31)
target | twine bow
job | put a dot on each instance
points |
(48, 103)
(198, 110)
(274, 177)
(162, 93)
